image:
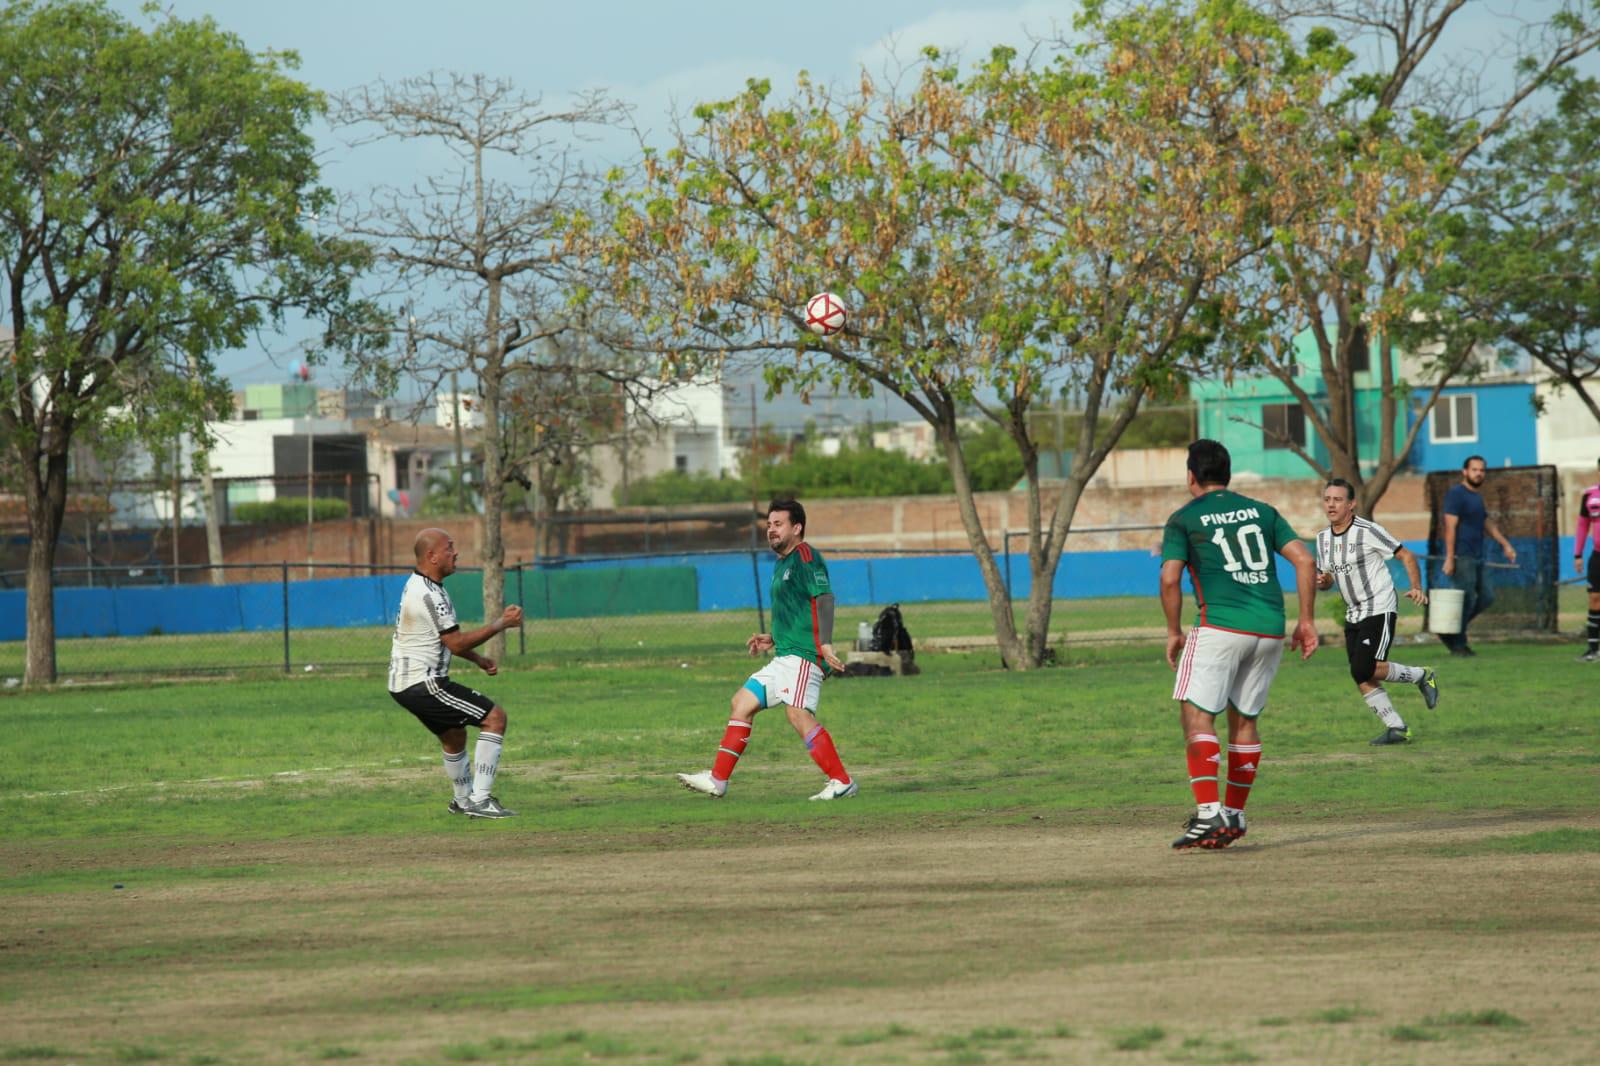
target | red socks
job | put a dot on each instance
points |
(820, 745)
(1243, 759)
(734, 740)
(1205, 754)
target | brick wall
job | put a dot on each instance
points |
(902, 523)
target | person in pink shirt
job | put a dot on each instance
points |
(1589, 527)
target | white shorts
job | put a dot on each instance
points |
(788, 679)
(1221, 668)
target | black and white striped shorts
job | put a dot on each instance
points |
(442, 705)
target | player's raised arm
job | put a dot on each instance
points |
(461, 642)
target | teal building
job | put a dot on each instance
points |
(1240, 412)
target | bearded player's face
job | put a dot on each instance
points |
(782, 534)
(1475, 472)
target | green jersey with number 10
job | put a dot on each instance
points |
(1228, 541)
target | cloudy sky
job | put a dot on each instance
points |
(660, 57)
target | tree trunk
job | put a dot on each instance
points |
(494, 495)
(47, 502)
(1041, 597)
(1005, 626)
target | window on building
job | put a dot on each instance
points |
(1282, 422)
(1455, 419)
(681, 463)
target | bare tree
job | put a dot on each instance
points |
(478, 251)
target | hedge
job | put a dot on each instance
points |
(286, 510)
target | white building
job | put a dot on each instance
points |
(685, 428)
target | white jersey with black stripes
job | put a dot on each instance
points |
(1358, 560)
(417, 653)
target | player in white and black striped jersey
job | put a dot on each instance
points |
(1354, 552)
(427, 637)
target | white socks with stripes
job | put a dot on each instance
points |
(485, 762)
(1378, 700)
(1405, 675)
(459, 770)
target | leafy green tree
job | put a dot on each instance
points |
(1384, 158)
(157, 195)
(1524, 254)
(1028, 228)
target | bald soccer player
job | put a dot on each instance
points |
(426, 637)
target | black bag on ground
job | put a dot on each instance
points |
(890, 637)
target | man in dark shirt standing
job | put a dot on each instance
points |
(1466, 520)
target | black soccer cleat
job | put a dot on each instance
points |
(1201, 832)
(1236, 829)
(1429, 687)
(1392, 735)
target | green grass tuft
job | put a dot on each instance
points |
(32, 1052)
(1341, 1015)
(1414, 1034)
(1138, 1039)
(1492, 1017)
(874, 1036)
(1544, 842)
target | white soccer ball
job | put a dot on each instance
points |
(825, 314)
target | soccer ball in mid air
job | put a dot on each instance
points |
(825, 314)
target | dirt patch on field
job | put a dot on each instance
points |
(1068, 939)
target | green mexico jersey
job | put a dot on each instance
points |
(796, 580)
(1228, 541)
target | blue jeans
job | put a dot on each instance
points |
(1472, 578)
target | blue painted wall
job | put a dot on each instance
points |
(1506, 433)
(722, 585)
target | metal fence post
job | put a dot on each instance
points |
(522, 630)
(286, 616)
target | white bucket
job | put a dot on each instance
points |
(1444, 610)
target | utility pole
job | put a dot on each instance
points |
(311, 474)
(177, 501)
(755, 471)
(455, 401)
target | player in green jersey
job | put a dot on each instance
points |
(1226, 542)
(802, 643)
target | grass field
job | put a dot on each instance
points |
(261, 870)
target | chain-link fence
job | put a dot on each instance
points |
(666, 609)
(296, 617)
